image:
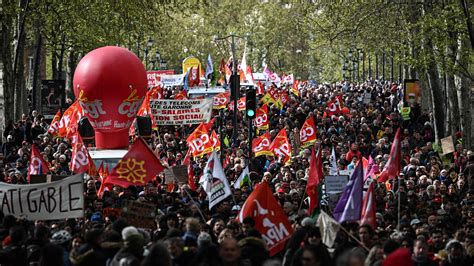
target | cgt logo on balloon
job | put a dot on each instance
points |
(94, 108)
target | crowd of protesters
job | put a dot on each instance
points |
(436, 193)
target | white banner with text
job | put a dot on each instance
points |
(181, 112)
(44, 201)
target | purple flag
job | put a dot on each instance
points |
(349, 206)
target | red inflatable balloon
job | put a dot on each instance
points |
(110, 84)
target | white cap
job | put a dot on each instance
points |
(128, 231)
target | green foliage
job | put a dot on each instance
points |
(308, 38)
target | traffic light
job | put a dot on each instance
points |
(251, 103)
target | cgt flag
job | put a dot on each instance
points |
(261, 119)
(138, 167)
(335, 106)
(308, 133)
(221, 100)
(261, 145)
(69, 121)
(38, 166)
(199, 141)
(281, 146)
(216, 143)
(270, 220)
(81, 161)
(54, 126)
(214, 182)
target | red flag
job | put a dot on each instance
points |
(281, 146)
(69, 121)
(199, 141)
(221, 100)
(284, 98)
(187, 158)
(274, 93)
(392, 167)
(222, 66)
(294, 88)
(181, 95)
(194, 77)
(210, 124)
(270, 220)
(191, 183)
(187, 161)
(369, 208)
(216, 143)
(365, 165)
(335, 106)
(315, 177)
(240, 104)
(261, 119)
(138, 167)
(145, 110)
(308, 133)
(81, 161)
(261, 145)
(260, 88)
(38, 166)
(101, 171)
(156, 93)
(54, 126)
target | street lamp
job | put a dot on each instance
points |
(149, 44)
(344, 69)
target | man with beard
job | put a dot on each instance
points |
(436, 241)
(420, 255)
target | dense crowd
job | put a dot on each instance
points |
(436, 193)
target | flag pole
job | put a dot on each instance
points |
(398, 216)
(302, 200)
(354, 238)
(191, 198)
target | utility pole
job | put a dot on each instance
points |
(235, 82)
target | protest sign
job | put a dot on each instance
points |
(176, 173)
(45, 201)
(154, 77)
(139, 214)
(412, 91)
(367, 97)
(181, 112)
(171, 80)
(447, 145)
(335, 183)
(347, 172)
